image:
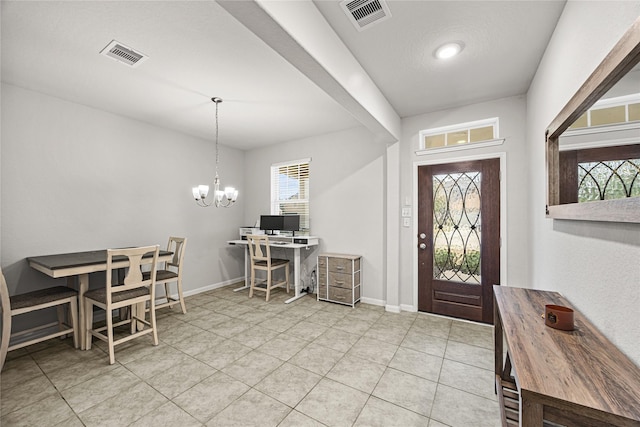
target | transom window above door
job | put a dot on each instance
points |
(458, 136)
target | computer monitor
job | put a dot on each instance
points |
(271, 223)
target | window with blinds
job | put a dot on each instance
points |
(290, 190)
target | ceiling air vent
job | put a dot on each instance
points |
(121, 53)
(365, 13)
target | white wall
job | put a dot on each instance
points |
(347, 197)
(595, 265)
(75, 178)
(511, 112)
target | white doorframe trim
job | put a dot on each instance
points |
(503, 212)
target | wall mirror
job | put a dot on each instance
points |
(593, 145)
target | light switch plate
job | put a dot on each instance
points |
(406, 212)
(406, 222)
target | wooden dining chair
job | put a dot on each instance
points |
(28, 302)
(171, 272)
(133, 291)
(260, 255)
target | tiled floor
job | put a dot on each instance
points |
(235, 361)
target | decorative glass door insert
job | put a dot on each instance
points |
(606, 180)
(457, 230)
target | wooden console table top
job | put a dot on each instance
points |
(577, 371)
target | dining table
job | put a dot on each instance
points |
(77, 266)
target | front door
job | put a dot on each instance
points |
(459, 238)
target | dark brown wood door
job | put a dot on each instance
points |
(459, 238)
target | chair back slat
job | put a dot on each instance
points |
(177, 246)
(256, 244)
(133, 278)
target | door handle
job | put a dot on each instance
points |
(423, 246)
(423, 236)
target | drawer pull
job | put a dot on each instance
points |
(339, 267)
(339, 282)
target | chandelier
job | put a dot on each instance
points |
(221, 198)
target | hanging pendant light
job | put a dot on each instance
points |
(221, 198)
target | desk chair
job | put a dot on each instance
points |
(261, 260)
(133, 291)
(172, 272)
(57, 296)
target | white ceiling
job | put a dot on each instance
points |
(198, 50)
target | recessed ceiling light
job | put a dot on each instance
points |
(449, 50)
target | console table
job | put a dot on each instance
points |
(573, 378)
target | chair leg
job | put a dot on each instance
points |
(88, 321)
(73, 308)
(253, 282)
(6, 334)
(181, 296)
(133, 313)
(269, 280)
(112, 355)
(61, 317)
(166, 293)
(152, 320)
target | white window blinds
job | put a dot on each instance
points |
(290, 190)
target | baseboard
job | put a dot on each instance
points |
(213, 286)
(372, 301)
(392, 308)
(408, 307)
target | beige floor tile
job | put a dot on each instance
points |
(279, 323)
(288, 384)
(417, 363)
(252, 367)
(352, 325)
(234, 310)
(306, 330)
(316, 358)
(252, 409)
(25, 394)
(211, 321)
(284, 347)
(72, 421)
(470, 354)
(378, 413)
(231, 328)
(434, 423)
(53, 409)
(178, 332)
(124, 408)
(296, 419)
(167, 415)
(92, 392)
(193, 312)
(58, 357)
(180, 377)
(337, 340)
(324, 318)
(373, 350)
(413, 393)
(432, 325)
(78, 373)
(198, 343)
(333, 404)
(257, 315)
(255, 336)
(363, 314)
(206, 399)
(472, 333)
(157, 362)
(476, 411)
(358, 373)
(468, 378)
(424, 342)
(19, 370)
(388, 333)
(223, 354)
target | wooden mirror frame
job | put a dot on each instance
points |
(622, 58)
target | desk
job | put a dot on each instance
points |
(80, 264)
(568, 377)
(299, 293)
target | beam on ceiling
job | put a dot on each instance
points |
(301, 35)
